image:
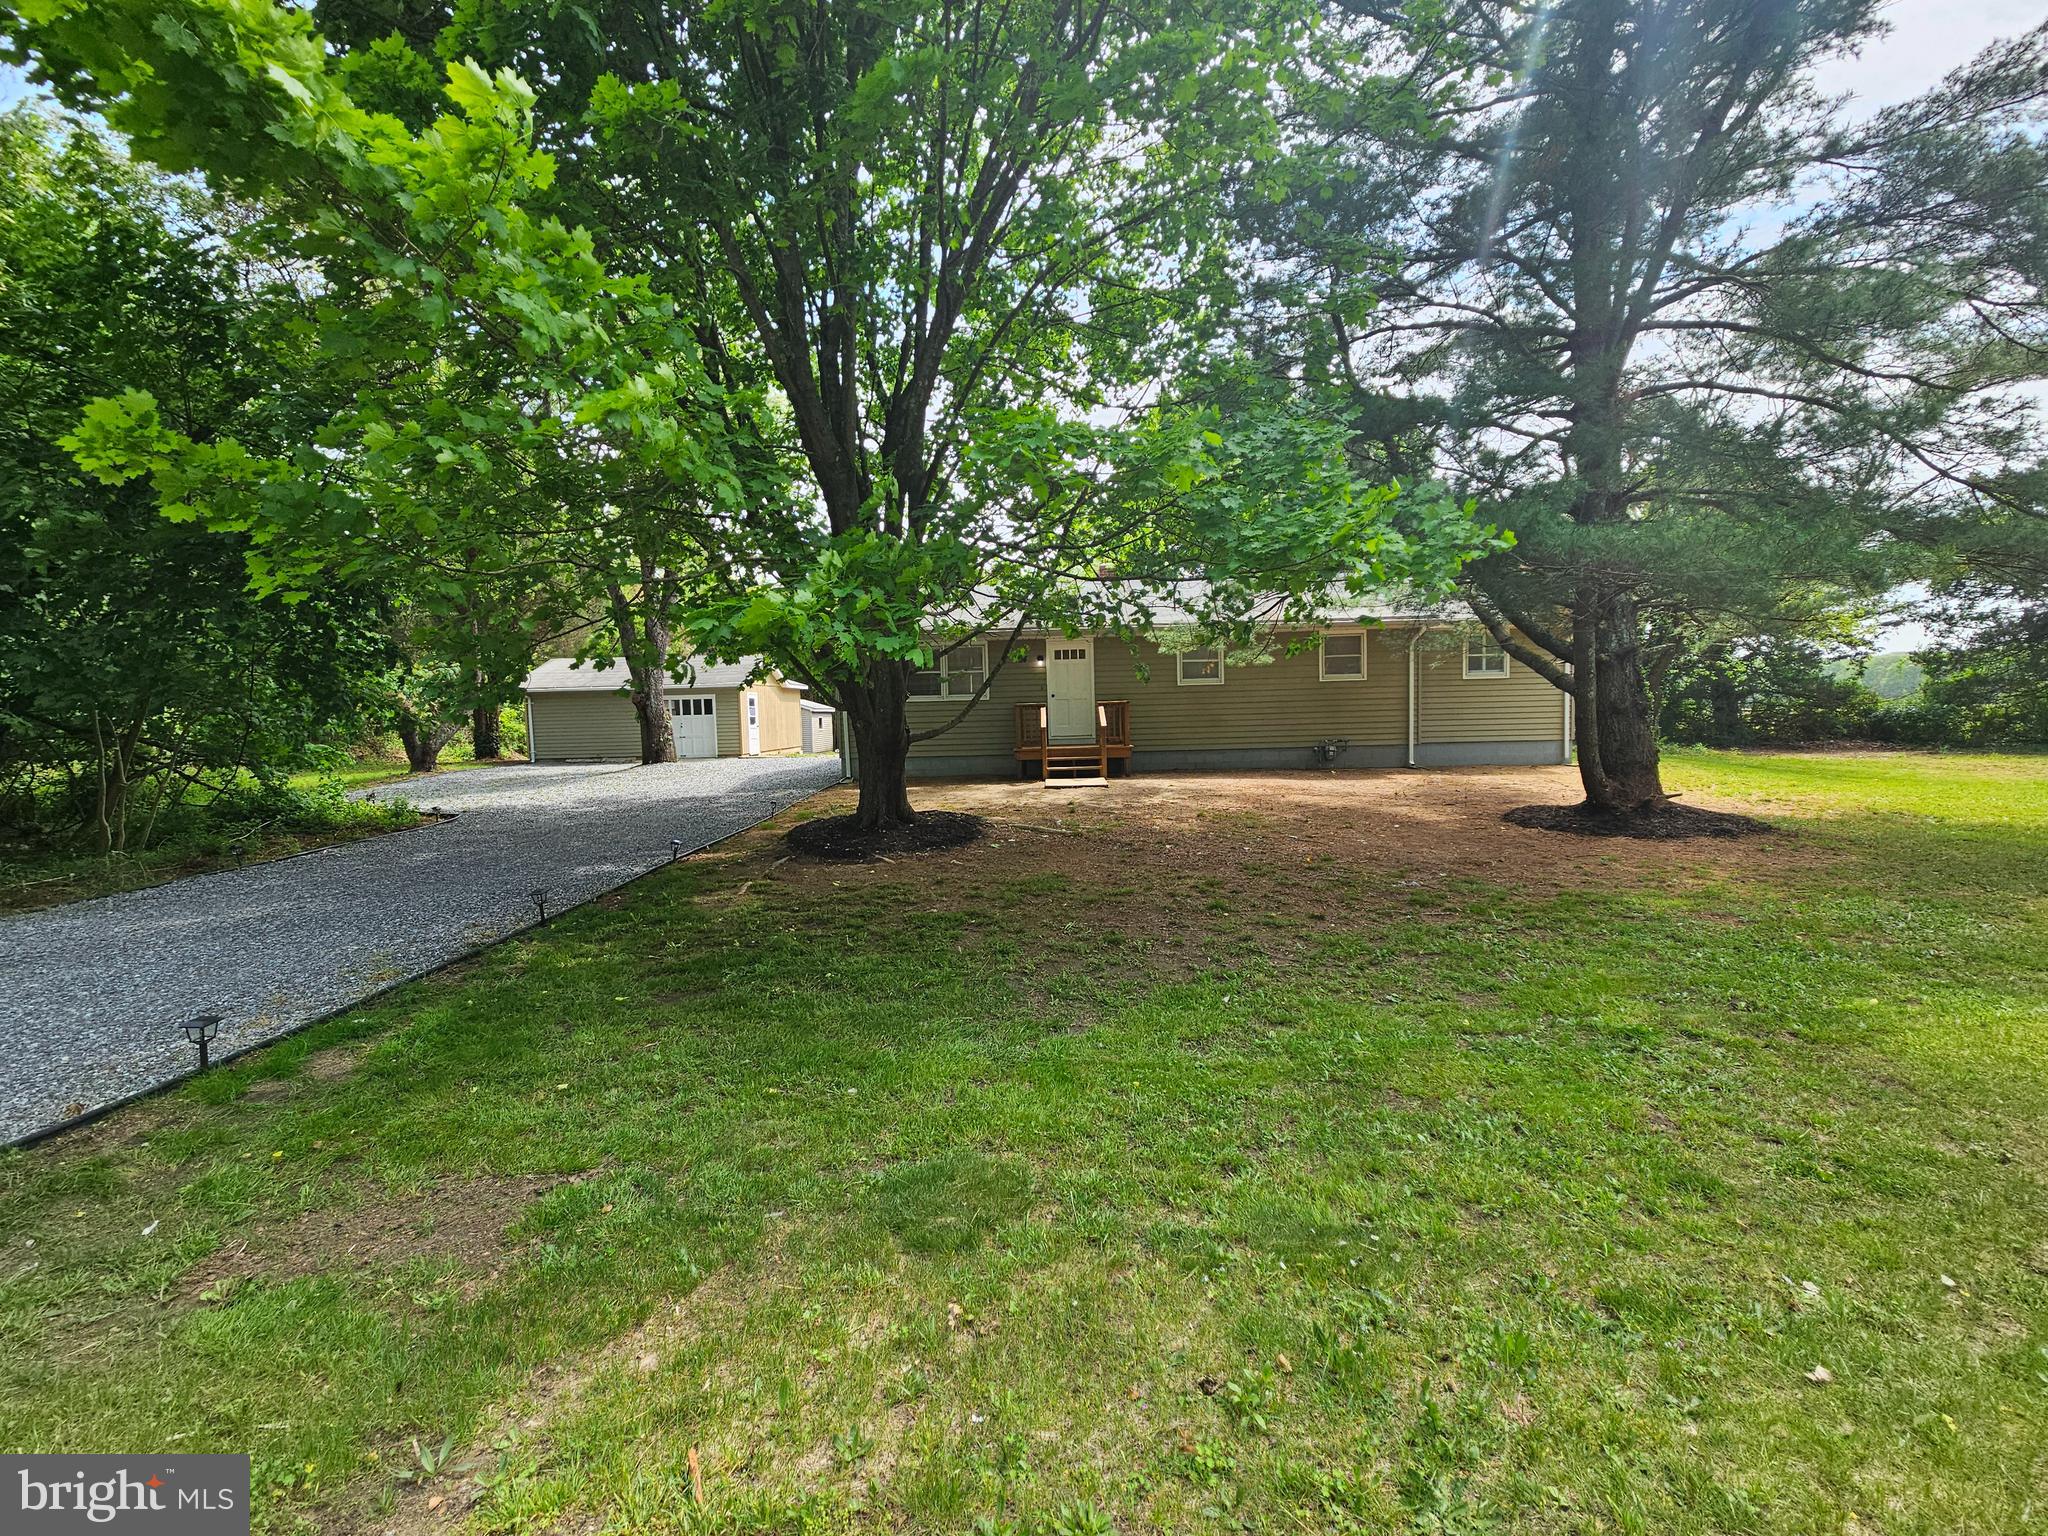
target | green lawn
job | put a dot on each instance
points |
(1200, 1173)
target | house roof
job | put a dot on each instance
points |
(563, 674)
(1177, 603)
(818, 707)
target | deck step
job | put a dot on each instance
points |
(1092, 781)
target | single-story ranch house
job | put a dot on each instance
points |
(582, 713)
(1383, 689)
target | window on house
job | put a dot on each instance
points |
(1484, 657)
(1203, 667)
(956, 675)
(965, 668)
(1343, 658)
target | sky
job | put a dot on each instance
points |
(1928, 39)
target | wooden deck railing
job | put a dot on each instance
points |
(1067, 758)
(1112, 725)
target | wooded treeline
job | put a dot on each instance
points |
(368, 352)
(141, 678)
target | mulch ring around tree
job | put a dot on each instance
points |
(842, 837)
(1668, 822)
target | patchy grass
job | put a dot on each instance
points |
(222, 833)
(1301, 1152)
(250, 826)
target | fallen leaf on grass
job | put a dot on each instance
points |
(1820, 1375)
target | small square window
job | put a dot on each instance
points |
(1484, 657)
(1203, 668)
(1342, 658)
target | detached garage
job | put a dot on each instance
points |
(582, 713)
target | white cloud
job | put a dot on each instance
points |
(1928, 39)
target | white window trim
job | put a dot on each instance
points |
(1181, 677)
(1324, 676)
(1485, 674)
(944, 667)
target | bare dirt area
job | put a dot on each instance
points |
(1269, 853)
(462, 1224)
(1445, 821)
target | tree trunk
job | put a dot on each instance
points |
(116, 766)
(1618, 760)
(650, 708)
(111, 819)
(483, 732)
(881, 736)
(645, 645)
(422, 742)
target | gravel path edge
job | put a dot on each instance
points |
(98, 1112)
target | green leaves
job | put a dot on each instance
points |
(121, 438)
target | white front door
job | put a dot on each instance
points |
(695, 717)
(753, 726)
(1070, 690)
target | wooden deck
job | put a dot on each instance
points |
(1074, 762)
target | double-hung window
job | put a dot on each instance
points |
(1484, 657)
(1200, 669)
(956, 675)
(1342, 658)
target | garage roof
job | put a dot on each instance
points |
(565, 675)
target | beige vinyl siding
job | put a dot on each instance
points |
(1278, 703)
(782, 725)
(570, 726)
(1281, 703)
(990, 726)
(1451, 707)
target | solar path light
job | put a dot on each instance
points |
(200, 1030)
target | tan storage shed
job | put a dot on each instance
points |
(580, 713)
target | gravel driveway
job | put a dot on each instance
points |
(91, 994)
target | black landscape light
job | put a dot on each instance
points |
(540, 901)
(200, 1030)
(675, 849)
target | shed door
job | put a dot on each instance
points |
(695, 717)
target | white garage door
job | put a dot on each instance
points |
(696, 723)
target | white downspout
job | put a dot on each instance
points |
(1567, 742)
(1413, 641)
(532, 749)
